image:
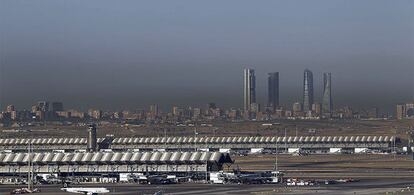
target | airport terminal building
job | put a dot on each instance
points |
(112, 163)
(311, 144)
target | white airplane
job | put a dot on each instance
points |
(86, 191)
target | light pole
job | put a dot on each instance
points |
(165, 138)
(296, 136)
(206, 171)
(195, 136)
(393, 148)
(214, 131)
(30, 173)
(285, 141)
(296, 130)
(276, 165)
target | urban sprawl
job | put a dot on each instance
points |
(252, 110)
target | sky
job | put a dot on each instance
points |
(118, 55)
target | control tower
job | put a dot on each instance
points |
(92, 138)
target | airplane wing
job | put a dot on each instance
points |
(86, 191)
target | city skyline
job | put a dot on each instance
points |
(43, 112)
(249, 95)
(325, 105)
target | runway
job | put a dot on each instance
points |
(368, 186)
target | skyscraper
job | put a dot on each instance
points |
(327, 105)
(249, 88)
(273, 90)
(307, 90)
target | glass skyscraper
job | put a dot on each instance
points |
(307, 90)
(249, 88)
(327, 105)
(273, 90)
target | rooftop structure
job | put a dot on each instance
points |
(181, 143)
(100, 162)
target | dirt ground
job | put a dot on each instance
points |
(299, 127)
(332, 165)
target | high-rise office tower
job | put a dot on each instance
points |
(43, 106)
(327, 97)
(249, 88)
(317, 108)
(401, 111)
(10, 108)
(273, 90)
(307, 90)
(154, 110)
(176, 111)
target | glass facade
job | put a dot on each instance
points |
(273, 90)
(327, 105)
(249, 88)
(307, 90)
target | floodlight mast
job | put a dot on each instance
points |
(30, 170)
(276, 167)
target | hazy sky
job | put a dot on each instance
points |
(128, 54)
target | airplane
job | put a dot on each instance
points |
(86, 191)
(252, 179)
(156, 179)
